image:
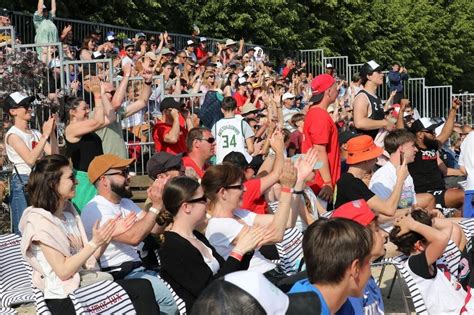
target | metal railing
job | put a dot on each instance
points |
(438, 101)
(314, 59)
(7, 36)
(339, 63)
(467, 108)
(414, 90)
(352, 69)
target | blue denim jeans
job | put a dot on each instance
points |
(17, 200)
(162, 293)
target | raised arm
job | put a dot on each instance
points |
(449, 125)
(40, 7)
(145, 93)
(53, 8)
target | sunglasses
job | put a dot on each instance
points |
(202, 199)
(130, 50)
(210, 140)
(123, 172)
(239, 186)
(184, 57)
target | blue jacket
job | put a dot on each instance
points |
(305, 286)
(396, 80)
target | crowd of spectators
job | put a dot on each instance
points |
(241, 150)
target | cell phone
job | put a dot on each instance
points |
(402, 157)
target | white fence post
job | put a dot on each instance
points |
(314, 60)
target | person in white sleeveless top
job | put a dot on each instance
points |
(424, 240)
(24, 146)
(232, 133)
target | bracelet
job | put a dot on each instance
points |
(154, 210)
(298, 192)
(285, 189)
(93, 245)
(236, 255)
(148, 83)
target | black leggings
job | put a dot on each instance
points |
(140, 292)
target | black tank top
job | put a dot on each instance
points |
(83, 151)
(425, 171)
(377, 112)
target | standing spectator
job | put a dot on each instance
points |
(202, 54)
(200, 147)
(396, 76)
(319, 130)
(82, 143)
(190, 45)
(296, 137)
(242, 95)
(24, 147)
(46, 31)
(330, 70)
(87, 49)
(5, 36)
(369, 114)
(232, 133)
(129, 48)
(170, 134)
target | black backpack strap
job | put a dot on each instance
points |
(307, 303)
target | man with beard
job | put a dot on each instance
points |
(428, 170)
(109, 174)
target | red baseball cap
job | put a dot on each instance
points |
(356, 210)
(319, 85)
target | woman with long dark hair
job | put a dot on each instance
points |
(188, 261)
(55, 244)
(82, 143)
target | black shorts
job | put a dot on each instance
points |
(439, 197)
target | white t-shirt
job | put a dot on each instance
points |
(466, 159)
(30, 141)
(101, 209)
(230, 135)
(383, 181)
(287, 114)
(222, 231)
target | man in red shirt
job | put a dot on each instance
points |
(320, 131)
(201, 146)
(170, 134)
(202, 54)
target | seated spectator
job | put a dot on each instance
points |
(200, 145)
(362, 156)
(343, 138)
(424, 240)
(372, 302)
(428, 170)
(170, 134)
(223, 186)
(333, 278)
(110, 175)
(55, 245)
(288, 110)
(400, 144)
(189, 262)
(232, 133)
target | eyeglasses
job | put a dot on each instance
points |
(130, 50)
(123, 172)
(211, 76)
(210, 140)
(202, 199)
(240, 186)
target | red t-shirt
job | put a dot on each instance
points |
(161, 129)
(296, 139)
(285, 71)
(200, 53)
(239, 99)
(252, 199)
(320, 129)
(188, 162)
